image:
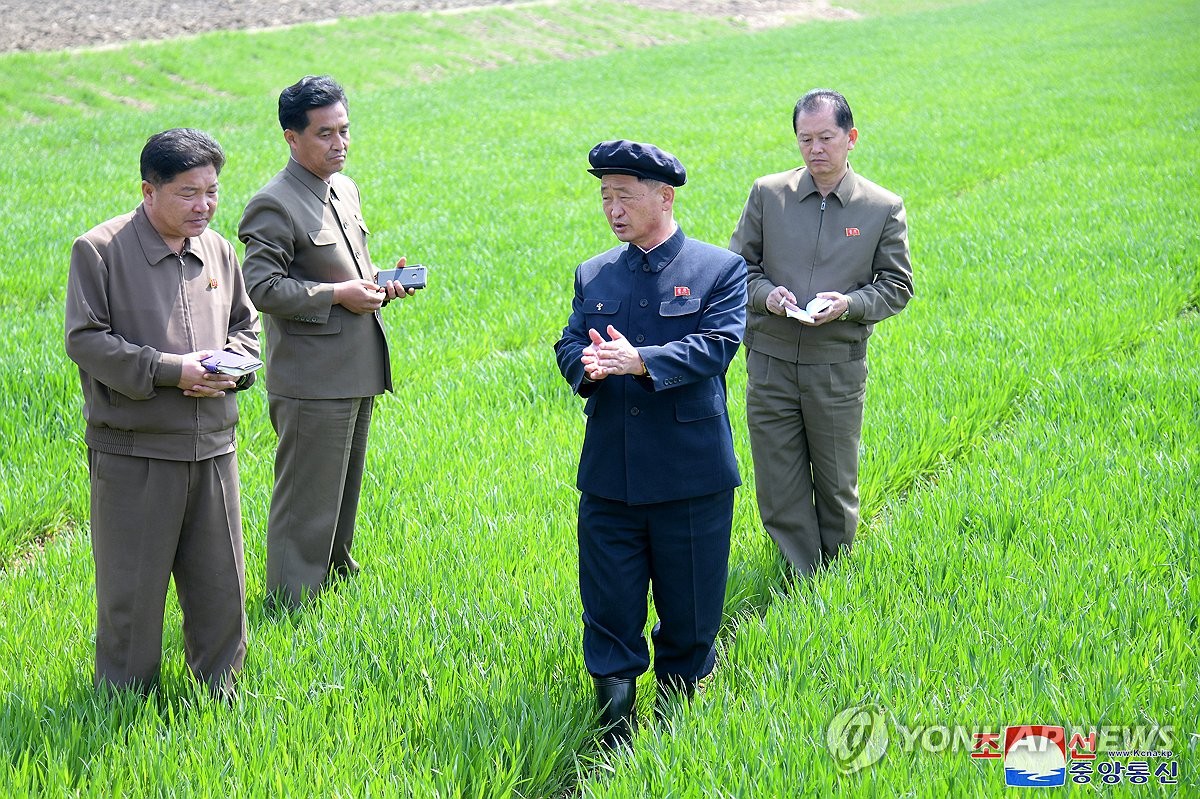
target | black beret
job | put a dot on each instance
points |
(624, 157)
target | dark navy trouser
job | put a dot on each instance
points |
(681, 548)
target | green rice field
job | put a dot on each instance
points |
(1029, 550)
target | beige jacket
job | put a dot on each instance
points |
(133, 309)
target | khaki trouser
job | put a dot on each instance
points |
(152, 519)
(318, 479)
(805, 425)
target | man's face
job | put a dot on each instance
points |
(823, 145)
(322, 146)
(184, 207)
(637, 212)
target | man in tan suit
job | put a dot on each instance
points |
(309, 272)
(151, 295)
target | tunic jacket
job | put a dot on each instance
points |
(302, 235)
(663, 437)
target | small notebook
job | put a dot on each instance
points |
(232, 364)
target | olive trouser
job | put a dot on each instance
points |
(318, 478)
(153, 519)
(805, 425)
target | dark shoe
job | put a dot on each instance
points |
(672, 687)
(224, 688)
(344, 569)
(339, 575)
(279, 605)
(616, 697)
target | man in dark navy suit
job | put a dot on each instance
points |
(654, 324)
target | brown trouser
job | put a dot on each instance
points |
(805, 425)
(318, 478)
(152, 519)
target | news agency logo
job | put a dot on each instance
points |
(1035, 756)
(857, 738)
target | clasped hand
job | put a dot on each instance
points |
(613, 357)
(196, 381)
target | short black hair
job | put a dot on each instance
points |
(177, 150)
(311, 91)
(813, 100)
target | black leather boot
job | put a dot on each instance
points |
(671, 687)
(616, 697)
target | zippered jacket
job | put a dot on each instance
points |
(133, 309)
(854, 241)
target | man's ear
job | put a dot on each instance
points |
(668, 196)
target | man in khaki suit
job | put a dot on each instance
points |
(827, 257)
(309, 272)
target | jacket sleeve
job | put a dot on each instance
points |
(891, 284)
(267, 231)
(243, 322)
(708, 352)
(571, 344)
(747, 242)
(131, 369)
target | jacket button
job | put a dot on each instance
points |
(634, 411)
(640, 338)
(644, 303)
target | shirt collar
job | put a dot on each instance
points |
(318, 187)
(153, 246)
(661, 255)
(844, 190)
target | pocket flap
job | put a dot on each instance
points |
(323, 236)
(680, 306)
(703, 408)
(601, 306)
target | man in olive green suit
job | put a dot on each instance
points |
(308, 271)
(827, 259)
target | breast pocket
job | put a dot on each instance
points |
(679, 307)
(322, 237)
(600, 306)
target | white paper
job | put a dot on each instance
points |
(805, 314)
